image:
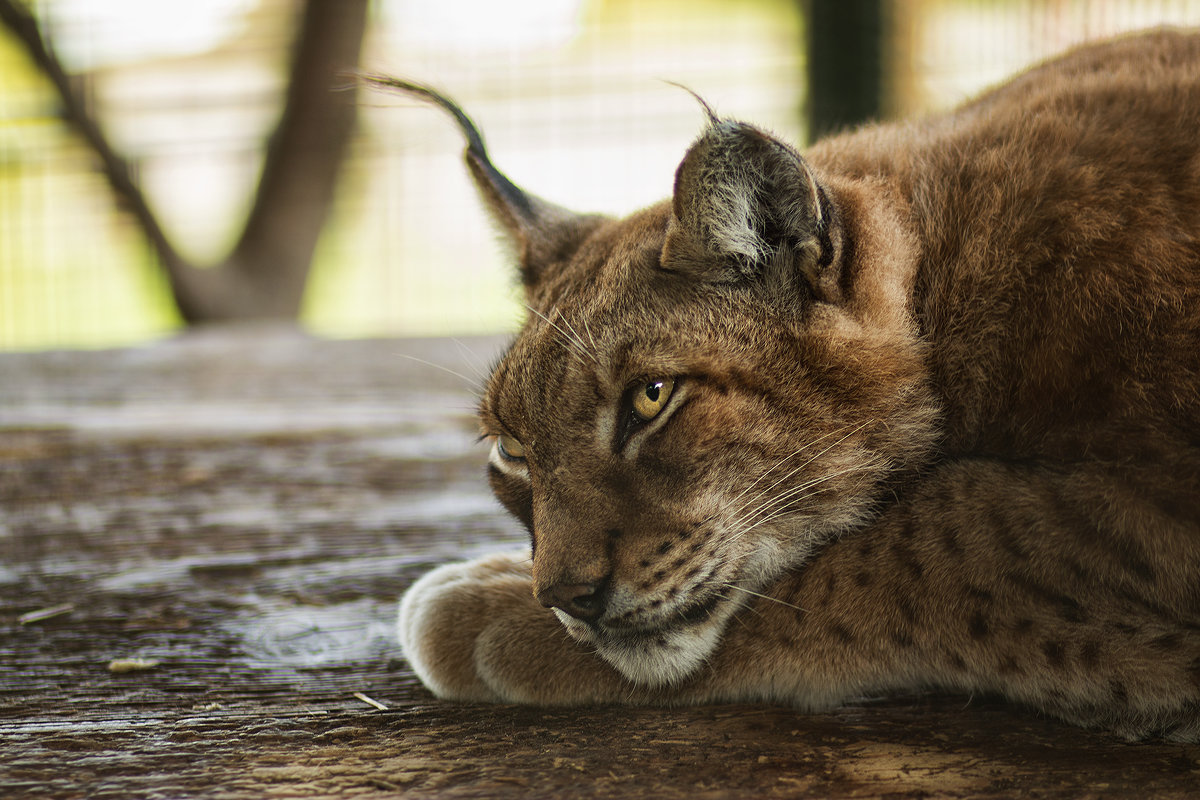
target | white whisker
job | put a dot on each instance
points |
(573, 341)
(577, 338)
(592, 339)
(765, 596)
(813, 458)
(471, 358)
(741, 516)
(473, 384)
(780, 463)
(772, 510)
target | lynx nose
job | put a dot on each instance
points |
(584, 601)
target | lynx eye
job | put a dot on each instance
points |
(510, 448)
(650, 398)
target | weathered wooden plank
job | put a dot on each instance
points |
(244, 506)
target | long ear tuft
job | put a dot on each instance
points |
(543, 233)
(713, 119)
(745, 202)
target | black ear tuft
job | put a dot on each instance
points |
(543, 233)
(745, 201)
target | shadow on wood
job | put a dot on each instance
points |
(240, 509)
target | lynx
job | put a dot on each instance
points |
(917, 409)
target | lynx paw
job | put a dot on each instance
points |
(473, 631)
(443, 614)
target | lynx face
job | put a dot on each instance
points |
(703, 393)
(666, 468)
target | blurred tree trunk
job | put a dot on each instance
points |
(265, 274)
(845, 40)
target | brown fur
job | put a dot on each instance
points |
(935, 419)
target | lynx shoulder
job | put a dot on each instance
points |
(917, 408)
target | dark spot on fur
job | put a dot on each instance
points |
(679, 562)
(906, 608)
(1079, 570)
(863, 578)
(1055, 653)
(1142, 570)
(866, 546)
(950, 541)
(1154, 607)
(695, 548)
(1089, 654)
(665, 548)
(682, 535)
(691, 573)
(909, 560)
(613, 533)
(1193, 600)
(957, 662)
(645, 562)
(979, 627)
(1067, 607)
(1130, 554)
(1126, 628)
(1009, 666)
(1070, 609)
(842, 633)
(1167, 642)
(659, 574)
(1126, 553)
(656, 603)
(979, 594)
(830, 586)
(1008, 541)
(1023, 625)
(1119, 693)
(902, 639)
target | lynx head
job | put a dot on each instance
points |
(703, 392)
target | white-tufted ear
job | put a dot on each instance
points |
(745, 201)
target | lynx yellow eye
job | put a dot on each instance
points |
(510, 448)
(649, 399)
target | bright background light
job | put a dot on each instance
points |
(474, 26)
(570, 94)
(90, 34)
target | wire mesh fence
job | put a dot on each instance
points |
(572, 97)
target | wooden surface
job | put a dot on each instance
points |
(244, 506)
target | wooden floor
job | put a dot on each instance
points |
(201, 546)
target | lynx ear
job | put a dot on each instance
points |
(542, 233)
(746, 203)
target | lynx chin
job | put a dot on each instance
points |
(917, 408)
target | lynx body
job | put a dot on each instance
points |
(920, 408)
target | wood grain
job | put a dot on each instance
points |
(243, 506)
